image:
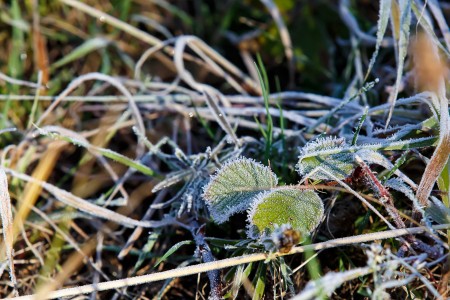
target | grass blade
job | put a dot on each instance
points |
(7, 224)
(428, 28)
(383, 18)
(105, 152)
(85, 206)
(405, 23)
(264, 82)
(260, 281)
(172, 250)
(82, 50)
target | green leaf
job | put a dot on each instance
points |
(359, 126)
(301, 209)
(172, 250)
(82, 50)
(235, 186)
(151, 241)
(340, 163)
(260, 281)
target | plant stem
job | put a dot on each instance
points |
(198, 232)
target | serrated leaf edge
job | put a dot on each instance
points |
(252, 210)
(219, 219)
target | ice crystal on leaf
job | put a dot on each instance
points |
(302, 209)
(316, 155)
(234, 187)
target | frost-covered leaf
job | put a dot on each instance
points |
(438, 211)
(335, 156)
(171, 179)
(235, 186)
(302, 209)
(324, 287)
(314, 155)
(400, 186)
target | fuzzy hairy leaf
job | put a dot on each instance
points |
(301, 209)
(337, 157)
(235, 186)
(339, 163)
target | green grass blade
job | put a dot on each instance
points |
(172, 250)
(264, 82)
(360, 124)
(82, 50)
(260, 281)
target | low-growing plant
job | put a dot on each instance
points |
(248, 178)
(242, 184)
